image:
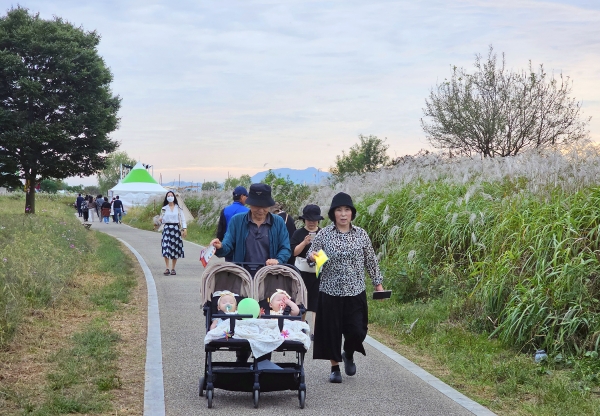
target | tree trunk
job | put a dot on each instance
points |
(30, 196)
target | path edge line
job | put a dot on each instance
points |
(433, 381)
(154, 389)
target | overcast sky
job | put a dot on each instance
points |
(212, 88)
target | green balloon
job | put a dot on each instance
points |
(248, 306)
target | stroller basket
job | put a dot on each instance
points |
(260, 374)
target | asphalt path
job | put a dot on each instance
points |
(385, 382)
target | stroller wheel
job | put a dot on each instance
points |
(256, 396)
(201, 388)
(302, 398)
(209, 398)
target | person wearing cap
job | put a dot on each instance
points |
(300, 244)
(342, 301)
(256, 236)
(238, 206)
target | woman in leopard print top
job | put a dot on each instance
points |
(342, 303)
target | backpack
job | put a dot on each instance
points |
(84, 205)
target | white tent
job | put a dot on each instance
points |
(138, 188)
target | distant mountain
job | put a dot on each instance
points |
(308, 175)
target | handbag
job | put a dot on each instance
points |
(302, 264)
(160, 228)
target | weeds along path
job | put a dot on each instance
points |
(381, 385)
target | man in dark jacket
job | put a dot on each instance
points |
(239, 199)
(78, 202)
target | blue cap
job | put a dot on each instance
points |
(240, 190)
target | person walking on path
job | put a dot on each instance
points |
(99, 201)
(105, 209)
(92, 207)
(342, 302)
(256, 236)
(240, 194)
(300, 244)
(78, 205)
(174, 231)
(85, 209)
(117, 210)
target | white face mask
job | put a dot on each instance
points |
(170, 199)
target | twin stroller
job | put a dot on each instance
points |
(255, 376)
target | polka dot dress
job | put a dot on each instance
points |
(172, 243)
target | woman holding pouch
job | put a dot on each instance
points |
(300, 244)
(342, 302)
(171, 215)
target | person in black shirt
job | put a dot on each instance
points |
(300, 244)
(117, 209)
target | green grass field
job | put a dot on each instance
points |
(51, 271)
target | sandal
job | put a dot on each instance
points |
(173, 273)
(167, 272)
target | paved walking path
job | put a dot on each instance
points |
(385, 383)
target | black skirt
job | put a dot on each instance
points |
(172, 243)
(339, 316)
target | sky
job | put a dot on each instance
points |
(212, 89)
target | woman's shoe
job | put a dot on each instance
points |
(335, 377)
(173, 273)
(349, 365)
(167, 272)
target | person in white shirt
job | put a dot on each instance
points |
(174, 231)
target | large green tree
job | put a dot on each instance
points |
(493, 111)
(56, 106)
(369, 155)
(116, 164)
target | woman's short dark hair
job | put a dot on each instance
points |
(165, 202)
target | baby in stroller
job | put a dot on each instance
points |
(282, 304)
(226, 304)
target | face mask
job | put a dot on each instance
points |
(170, 199)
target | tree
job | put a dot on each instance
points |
(232, 183)
(91, 190)
(287, 193)
(367, 156)
(49, 185)
(496, 112)
(56, 107)
(210, 186)
(111, 174)
(9, 172)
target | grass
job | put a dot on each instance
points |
(488, 260)
(68, 327)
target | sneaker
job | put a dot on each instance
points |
(349, 366)
(335, 377)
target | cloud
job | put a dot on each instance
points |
(236, 84)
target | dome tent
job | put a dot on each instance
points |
(137, 188)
